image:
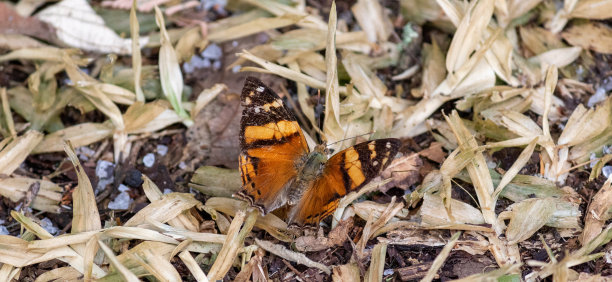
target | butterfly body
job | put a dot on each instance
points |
(278, 169)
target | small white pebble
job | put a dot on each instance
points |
(607, 149)
(608, 256)
(212, 51)
(149, 160)
(182, 165)
(121, 202)
(46, 224)
(236, 69)
(387, 272)
(607, 171)
(234, 43)
(162, 150)
(600, 95)
(167, 191)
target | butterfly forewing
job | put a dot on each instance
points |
(349, 170)
(271, 143)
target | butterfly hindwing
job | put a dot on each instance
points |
(349, 170)
(271, 142)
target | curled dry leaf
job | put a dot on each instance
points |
(336, 237)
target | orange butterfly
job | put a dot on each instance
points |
(279, 170)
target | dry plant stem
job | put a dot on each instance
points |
(439, 261)
(233, 242)
(282, 252)
(377, 264)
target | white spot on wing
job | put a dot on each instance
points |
(260, 89)
(388, 145)
(257, 109)
(375, 163)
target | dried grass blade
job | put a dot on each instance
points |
(170, 74)
(193, 266)
(124, 271)
(80, 135)
(283, 252)
(439, 261)
(233, 242)
(520, 162)
(85, 210)
(253, 27)
(136, 56)
(18, 150)
(165, 209)
(331, 125)
(205, 97)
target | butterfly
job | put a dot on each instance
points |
(279, 170)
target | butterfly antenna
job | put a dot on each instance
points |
(350, 138)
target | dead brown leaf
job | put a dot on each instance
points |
(404, 172)
(434, 152)
(13, 23)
